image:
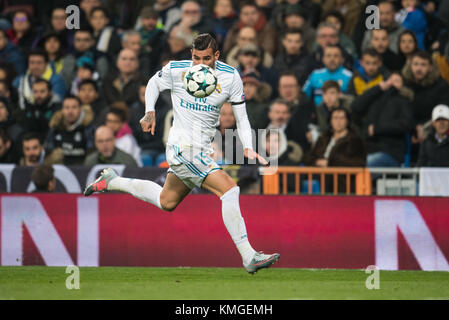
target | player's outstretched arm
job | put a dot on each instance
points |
(148, 122)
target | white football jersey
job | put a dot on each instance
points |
(195, 119)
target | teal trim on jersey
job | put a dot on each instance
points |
(175, 65)
(221, 65)
(224, 68)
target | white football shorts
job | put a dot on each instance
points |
(190, 166)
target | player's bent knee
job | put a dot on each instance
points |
(167, 204)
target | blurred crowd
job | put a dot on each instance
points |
(339, 94)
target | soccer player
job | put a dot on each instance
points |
(189, 146)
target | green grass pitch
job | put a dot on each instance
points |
(218, 284)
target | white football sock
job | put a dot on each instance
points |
(235, 224)
(142, 189)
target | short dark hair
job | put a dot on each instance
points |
(120, 109)
(204, 41)
(329, 84)
(72, 97)
(42, 175)
(38, 52)
(333, 46)
(42, 80)
(248, 3)
(334, 13)
(346, 111)
(387, 1)
(289, 74)
(423, 55)
(372, 53)
(380, 29)
(100, 8)
(86, 82)
(32, 136)
(86, 30)
(292, 31)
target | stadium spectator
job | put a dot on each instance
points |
(88, 93)
(266, 7)
(369, 74)
(106, 151)
(297, 18)
(7, 73)
(178, 46)
(7, 150)
(336, 18)
(332, 98)
(333, 70)
(339, 146)
(247, 35)
(60, 63)
(294, 123)
(169, 13)
(10, 54)
(408, 45)
(387, 12)
(434, 151)
(152, 146)
(224, 17)
(293, 57)
(37, 114)
(43, 177)
(350, 9)
(117, 120)
(257, 95)
(22, 33)
(58, 25)
(105, 35)
(380, 42)
(311, 12)
(71, 132)
(249, 60)
(125, 15)
(8, 120)
(152, 36)
(413, 17)
(386, 118)
(278, 151)
(132, 40)
(123, 85)
(84, 48)
(192, 20)
(37, 68)
(422, 76)
(86, 7)
(442, 60)
(32, 149)
(327, 35)
(232, 152)
(251, 16)
(85, 70)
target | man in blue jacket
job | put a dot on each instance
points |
(334, 70)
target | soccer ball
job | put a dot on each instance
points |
(200, 81)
